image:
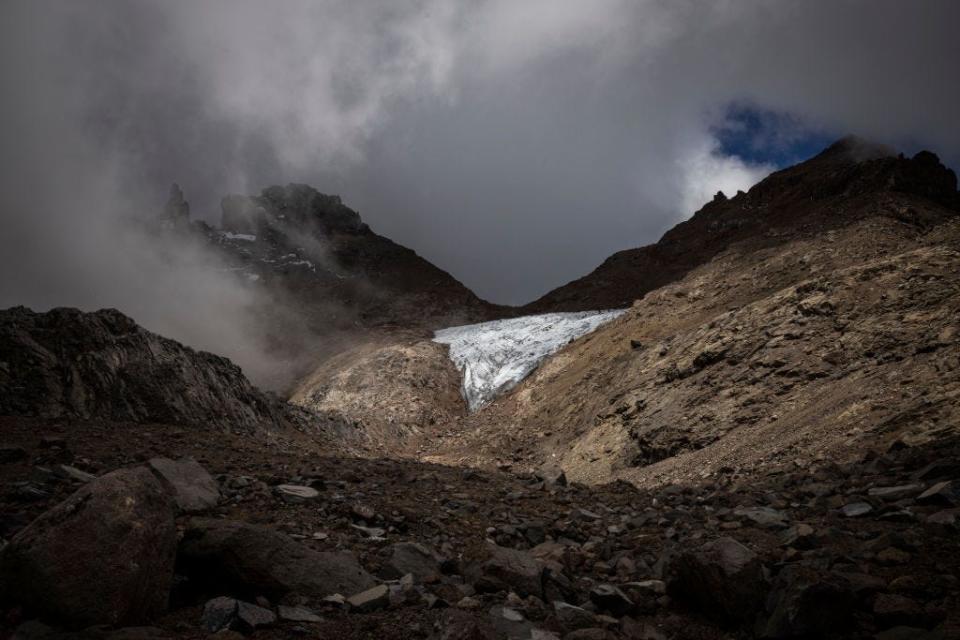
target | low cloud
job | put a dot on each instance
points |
(515, 144)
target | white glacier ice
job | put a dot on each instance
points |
(495, 356)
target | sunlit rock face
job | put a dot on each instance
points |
(495, 356)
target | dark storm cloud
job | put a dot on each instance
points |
(516, 144)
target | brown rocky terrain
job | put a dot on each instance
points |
(764, 445)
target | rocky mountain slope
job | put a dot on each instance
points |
(783, 407)
(74, 365)
(332, 266)
(831, 325)
(831, 189)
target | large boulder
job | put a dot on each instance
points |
(504, 569)
(722, 579)
(193, 489)
(251, 560)
(808, 603)
(103, 556)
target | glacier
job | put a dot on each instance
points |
(495, 356)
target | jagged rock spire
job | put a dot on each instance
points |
(177, 209)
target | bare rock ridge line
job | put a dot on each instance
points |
(317, 251)
(818, 194)
(67, 363)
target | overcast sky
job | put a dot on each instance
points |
(515, 143)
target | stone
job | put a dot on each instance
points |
(723, 579)
(193, 489)
(806, 603)
(895, 493)
(105, 555)
(856, 509)
(573, 617)
(74, 474)
(509, 622)
(800, 536)
(765, 517)
(607, 597)
(254, 558)
(947, 517)
(218, 614)
(508, 569)
(377, 597)
(413, 558)
(296, 493)
(943, 493)
(297, 614)
(251, 617)
(552, 476)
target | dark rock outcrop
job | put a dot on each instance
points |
(103, 556)
(722, 579)
(247, 559)
(68, 363)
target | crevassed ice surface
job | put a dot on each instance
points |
(495, 356)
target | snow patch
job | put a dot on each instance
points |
(495, 356)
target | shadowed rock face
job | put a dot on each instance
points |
(103, 365)
(103, 556)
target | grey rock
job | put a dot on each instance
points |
(895, 493)
(251, 617)
(856, 509)
(257, 558)
(72, 473)
(508, 569)
(297, 614)
(218, 614)
(377, 597)
(766, 517)
(412, 558)
(944, 493)
(103, 556)
(573, 617)
(800, 536)
(193, 489)
(296, 493)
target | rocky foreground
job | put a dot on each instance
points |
(152, 531)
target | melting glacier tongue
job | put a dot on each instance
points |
(495, 356)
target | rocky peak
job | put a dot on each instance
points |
(297, 206)
(177, 209)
